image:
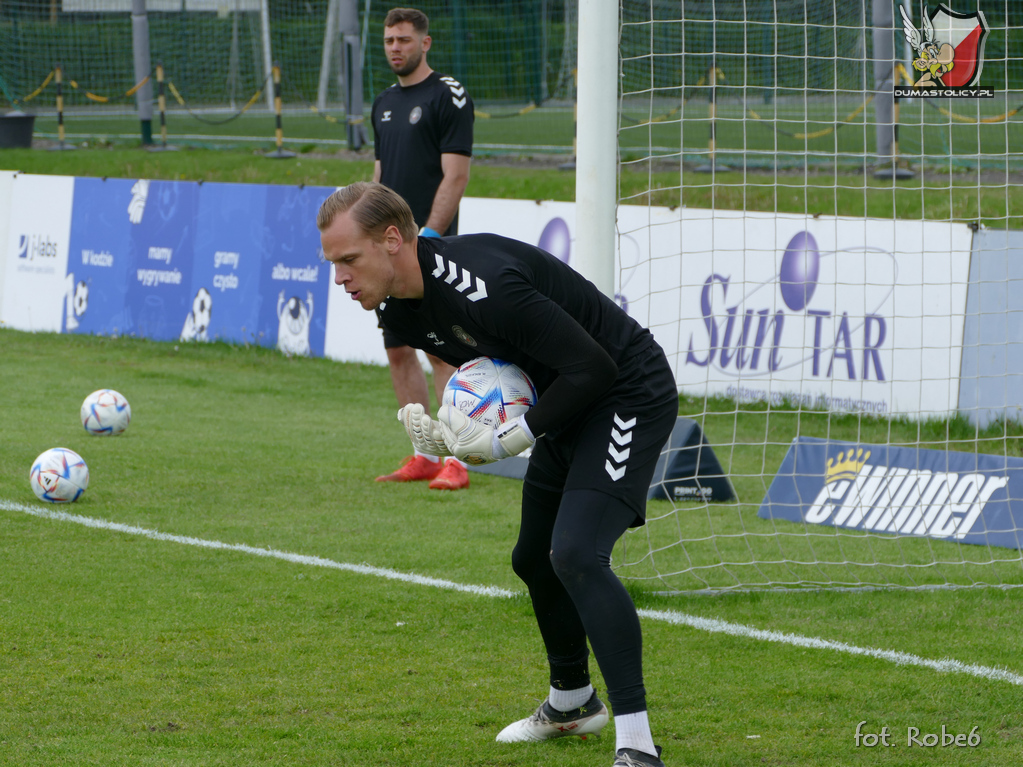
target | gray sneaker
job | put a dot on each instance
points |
(547, 722)
(630, 757)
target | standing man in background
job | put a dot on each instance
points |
(422, 128)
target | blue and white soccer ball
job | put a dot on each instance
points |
(105, 412)
(59, 475)
(490, 391)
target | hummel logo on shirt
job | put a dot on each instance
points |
(468, 281)
(618, 448)
(458, 97)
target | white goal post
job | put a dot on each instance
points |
(596, 143)
(840, 310)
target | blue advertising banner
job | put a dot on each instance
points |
(98, 257)
(295, 278)
(160, 297)
(228, 250)
(962, 497)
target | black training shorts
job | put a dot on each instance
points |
(391, 341)
(614, 448)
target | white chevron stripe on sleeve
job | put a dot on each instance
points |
(440, 265)
(452, 273)
(480, 292)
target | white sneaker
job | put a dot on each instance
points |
(547, 722)
(630, 757)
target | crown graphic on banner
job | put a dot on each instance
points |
(846, 465)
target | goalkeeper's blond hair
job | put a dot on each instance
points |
(374, 207)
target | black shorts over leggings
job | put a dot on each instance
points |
(583, 489)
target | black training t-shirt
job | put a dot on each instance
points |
(490, 296)
(412, 128)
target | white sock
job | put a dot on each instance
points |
(427, 456)
(566, 700)
(633, 731)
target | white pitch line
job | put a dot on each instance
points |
(301, 559)
(947, 665)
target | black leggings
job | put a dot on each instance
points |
(564, 556)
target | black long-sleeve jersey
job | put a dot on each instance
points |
(486, 295)
(412, 127)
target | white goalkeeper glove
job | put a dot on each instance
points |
(476, 443)
(425, 433)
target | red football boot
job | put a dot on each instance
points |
(416, 468)
(454, 476)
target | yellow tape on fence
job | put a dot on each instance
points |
(824, 131)
(328, 118)
(666, 117)
(255, 97)
(487, 116)
(901, 70)
(180, 99)
(106, 99)
(975, 120)
(174, 92)
(138, 85)
(41, 88)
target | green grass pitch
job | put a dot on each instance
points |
(124, 648)
(119, 648)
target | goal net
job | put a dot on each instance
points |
(835, 276)
(212, 51)
(517, 59)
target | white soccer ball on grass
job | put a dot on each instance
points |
(59, 475)
(105, 412)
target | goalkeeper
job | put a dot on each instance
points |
(606, 407)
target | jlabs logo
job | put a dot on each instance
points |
(754, 339)
(33, 246)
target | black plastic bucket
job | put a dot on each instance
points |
(16, 130)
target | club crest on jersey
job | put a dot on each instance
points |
(462, 336)
(415, 115)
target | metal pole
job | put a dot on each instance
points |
(161, 104)
(264, 18)
(140, 48)
(280, 153)
(60, 104)
(351, 71)
(59, 80)
(884, 83)
(329, 38)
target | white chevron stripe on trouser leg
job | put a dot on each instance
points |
(618, 448)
